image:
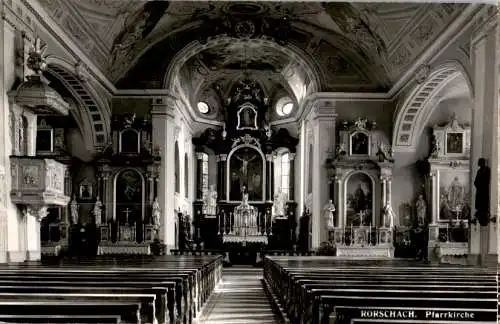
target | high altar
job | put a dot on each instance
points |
(238, 209)
(362, 171)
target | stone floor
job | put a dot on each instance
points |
(239, 298)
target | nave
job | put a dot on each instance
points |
(198, 290)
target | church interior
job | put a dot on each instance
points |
(325, 152)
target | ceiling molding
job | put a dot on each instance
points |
(443, 42)
(49, 24)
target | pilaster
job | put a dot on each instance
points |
(164, 135)
(485, 114)
(323, 129)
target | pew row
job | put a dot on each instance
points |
(314, 290)
(165, 289)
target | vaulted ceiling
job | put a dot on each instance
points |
(296, 47)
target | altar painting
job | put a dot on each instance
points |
(129, 196)
(454, 195)
(246, 169)
(359, 200)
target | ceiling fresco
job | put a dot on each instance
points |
(348, 46)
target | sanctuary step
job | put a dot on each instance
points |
(239, 298)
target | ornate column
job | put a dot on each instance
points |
(339, 205)
(384, 191)
(199, 175)
(486, 62)
(164, 129)
(269, 178)
(434, 199)
(222, 176)
(291, 178)
(323, 118)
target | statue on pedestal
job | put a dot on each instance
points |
(388, 214)
(211, 201)
(329, 214)
(97, 211)
(156, 213)
(421, 207)
(482, 184)
(74, 210)
(279, 204)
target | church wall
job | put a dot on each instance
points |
(74, 140)
(406, 183)
(379, 111)
(85, 208)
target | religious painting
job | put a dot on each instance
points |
(360, 144)
(105, 233)
(129, 197)
(247, 117)
(454, 143)
(454, 195)
(85, 190)
(359, 200)
(129, 141)
(246, 171)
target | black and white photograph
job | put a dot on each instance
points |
(238, 162)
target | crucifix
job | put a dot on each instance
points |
(127, 212)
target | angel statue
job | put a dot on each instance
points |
(329, 214)
(211, 201)
(279, 204)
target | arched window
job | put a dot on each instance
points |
(177, 168)
(282, 173)
(186, 175)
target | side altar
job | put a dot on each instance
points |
(125, 210)
(362, 225)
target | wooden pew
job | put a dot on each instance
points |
(63, 319)
(196, 278)
(310, 290)
(126, 311)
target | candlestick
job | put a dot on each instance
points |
(265, 223)
(224, 223)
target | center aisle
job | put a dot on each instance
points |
(239, 298)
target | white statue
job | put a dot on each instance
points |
(388, 216)
(74, 210)
(211, 201)
(97, 212)
(329, 214)
(156, 212)
(279, 204)
(421, 207)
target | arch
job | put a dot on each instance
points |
(419, 104)
(95, 120)
(177, 163)
(228, 168)
(374, 196)
(300, 61)
(143, 189)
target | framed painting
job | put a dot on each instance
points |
(455, 143)
(85, 190)
(454, 195)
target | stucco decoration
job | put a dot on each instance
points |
(417, 106)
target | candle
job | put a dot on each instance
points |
(218, 233)
(265, 222)
(224, 223)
